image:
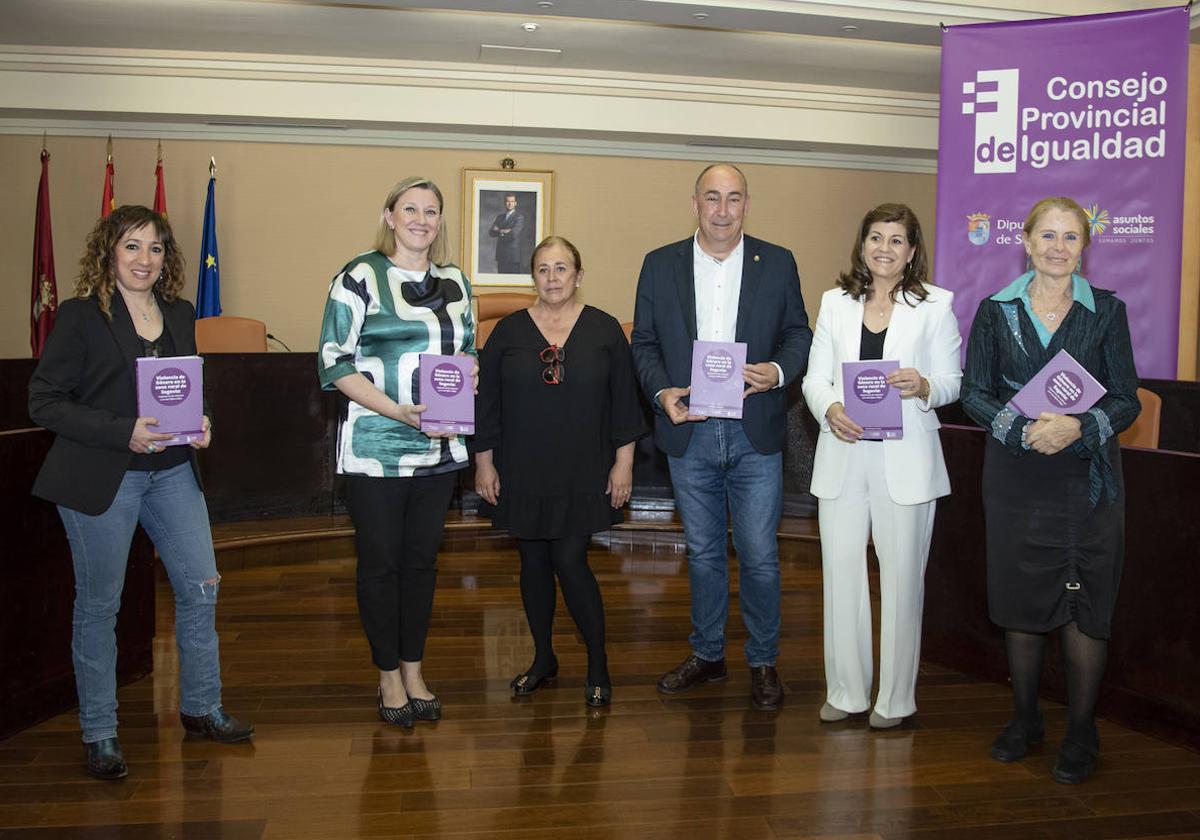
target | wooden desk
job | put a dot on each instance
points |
(1154, 658)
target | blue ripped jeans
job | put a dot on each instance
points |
(171, 508)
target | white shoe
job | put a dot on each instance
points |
(829, 714)
(878, 721)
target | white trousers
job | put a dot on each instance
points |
(901, 534)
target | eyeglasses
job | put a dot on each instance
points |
(553, 356)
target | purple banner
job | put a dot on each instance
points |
(1093, 108)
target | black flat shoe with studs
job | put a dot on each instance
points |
(597, 695)
(430, 709)
(528, 682)
(396, 715)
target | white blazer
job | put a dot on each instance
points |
(925, 337)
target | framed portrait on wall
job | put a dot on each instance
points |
(505, 213)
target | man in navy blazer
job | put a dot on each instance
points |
(720, 285)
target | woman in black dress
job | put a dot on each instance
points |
(1054, 500)
(558, 417)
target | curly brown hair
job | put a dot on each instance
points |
(97, 276)
(858, 282)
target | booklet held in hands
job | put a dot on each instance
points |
(171, 388)
(870, 401)
(717, 383)
(447, 394)
(1063, 386)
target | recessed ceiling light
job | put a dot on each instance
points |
(530, 27)
(545, 4)
(849, 27)
(701, 15)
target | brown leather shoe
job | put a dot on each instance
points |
(689, 672)
(766, 692)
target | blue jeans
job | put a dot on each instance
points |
(721, 468)
(171, 508)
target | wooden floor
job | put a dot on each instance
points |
(700, 765)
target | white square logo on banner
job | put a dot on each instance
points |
(993, 103)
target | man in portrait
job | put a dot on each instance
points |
(508, 230)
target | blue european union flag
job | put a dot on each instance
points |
(208, 289)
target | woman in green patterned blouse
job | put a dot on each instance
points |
(385, 308)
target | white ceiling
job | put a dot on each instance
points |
(856, 59)
(894, 45)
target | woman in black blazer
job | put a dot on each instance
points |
(108, 470)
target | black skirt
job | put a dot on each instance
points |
(1051, 559)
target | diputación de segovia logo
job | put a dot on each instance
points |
(1066, 120)
(978, 228)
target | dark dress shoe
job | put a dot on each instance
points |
(529, 682)
(1075, 763)
(766, 692)
(689, 672)
(105, 761)
(597, 695)
(430, 709)
(396, 715)
(1016, 738)
(217, 725)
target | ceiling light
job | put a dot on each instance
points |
(545, 4)
(701, 15)
(849, 27)
(530, 27)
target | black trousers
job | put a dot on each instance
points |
(398, 525)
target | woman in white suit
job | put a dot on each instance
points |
(882, 308)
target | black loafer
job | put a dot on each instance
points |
(218, 725)
(430, 709)
(105, 760)
(396, 715)
(597, 695)
(527, 683)
(1075, 763)
(1015, 740)
(689, 672)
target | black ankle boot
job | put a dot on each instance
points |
(105, 760)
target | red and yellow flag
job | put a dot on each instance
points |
(160, 188)
(108, 201)
(45, 288)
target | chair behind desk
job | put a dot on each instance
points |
(230, 334)
(1144, 431)
(492, 307)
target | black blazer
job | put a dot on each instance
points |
(771, 321)
(84, 390)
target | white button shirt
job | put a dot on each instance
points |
(718, 285)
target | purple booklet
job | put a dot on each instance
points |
(1063, 386)
(870, 401)
(171, 388)
(717, 383)
(446, 392)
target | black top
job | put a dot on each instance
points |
(871, 346)
(554, 445)
(170, 456)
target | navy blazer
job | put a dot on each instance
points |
(84, 390)
(771, 321)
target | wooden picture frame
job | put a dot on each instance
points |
(492, 254)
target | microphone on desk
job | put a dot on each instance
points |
(273, 338)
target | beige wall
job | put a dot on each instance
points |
(289, 215)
